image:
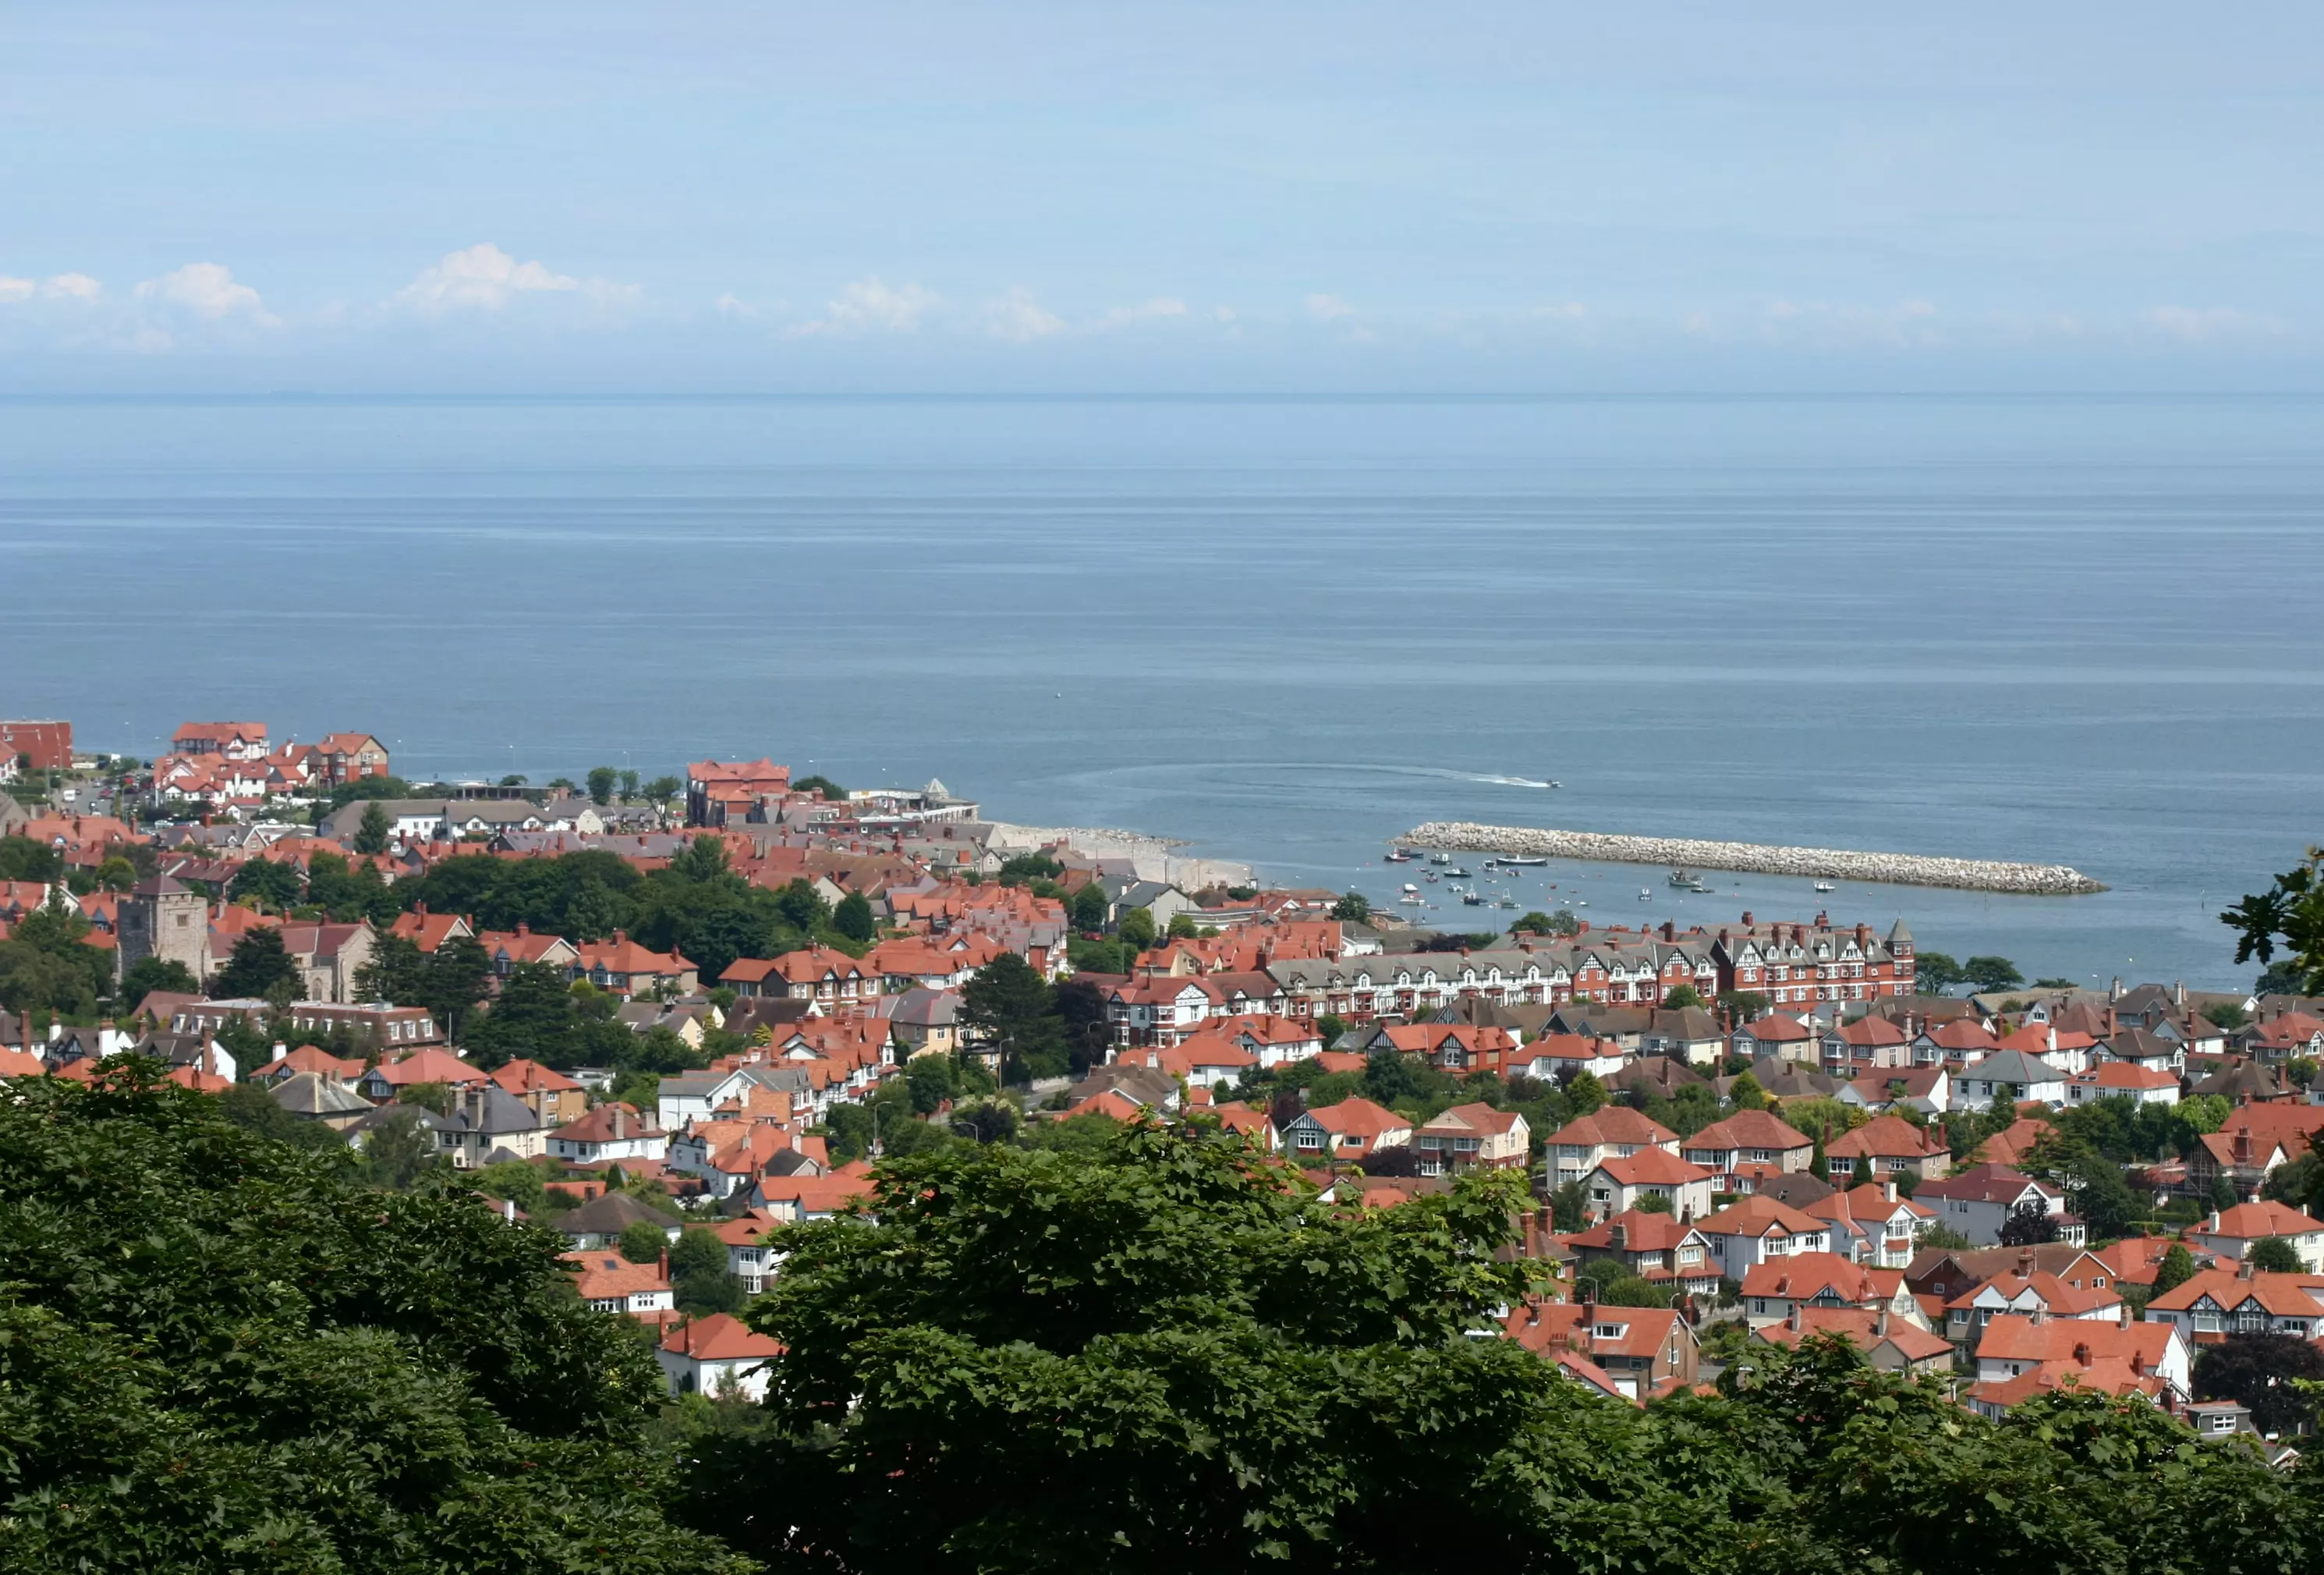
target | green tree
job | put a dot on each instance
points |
(1989, 974)
(1586, 1093)
(831, 791)
(532, 1018)
(2177, 1268)
(148, 974)
(2265, 1372)
(1655, 1203)
(2029, 1224)
(602, 779)
(1746, 1094)
(1136, 929)
(2289, 915)
(1351, 908)
(1742, 1006)
(24, 860)
(643, 1242)
(1683, 996)
(663, 788)
(699, 1276)
(2273, 1255)
(258, 966)
(852, 917)
(438, 1400)
(395, 972)
(2098, 1193)
(456, 978)
(629, 786)
(1087, 907)
(274, 886)
(1936, 972)
(372, 832)
(1009, 1007)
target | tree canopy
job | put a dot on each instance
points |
(217, 1353)
(1160, 1354)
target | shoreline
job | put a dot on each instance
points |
(1904, 869)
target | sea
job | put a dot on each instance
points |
(2077, 629)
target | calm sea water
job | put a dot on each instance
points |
(2071, 629)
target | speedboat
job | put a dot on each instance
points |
(1457, 872)
(1524, 859)
(1825, 886)
(1681, 879)
(1400, 856)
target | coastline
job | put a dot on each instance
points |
(1905, 869)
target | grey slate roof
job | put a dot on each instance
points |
(611, 1214)
(315, 1095)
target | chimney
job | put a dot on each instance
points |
(2082, 1353)
(1792, 1319)
(2038, 1317)
(1533, 1313)
(2244, 1268)
(508, 1210)
(1880, 1323)
(1889, 1191)
(2215, 1221)
(2122, 1315)
(2025, 1263)
(281, 1050)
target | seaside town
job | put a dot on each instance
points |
(670, 1020)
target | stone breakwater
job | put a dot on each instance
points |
(1908, 869)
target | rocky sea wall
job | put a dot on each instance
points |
(1908, 869)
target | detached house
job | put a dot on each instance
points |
(1659, 1248)
(717, 1356)
(1630, 1353)
(610, 1283)
(2020, 1357)
(1349, 1129)
(2231, 1233)
(2126, 1080)
(822, 976)
(1891, 1344)
(1619, 1185)
(1469, 1136)
(2219, 1302)
(1757, 1229)
(623, 968)
(1747, 1147)
(1611, 1132)
(1892, 1146)
(1773, 1289)
(2011, 1076)
(1979, 1202)
(607, 1136)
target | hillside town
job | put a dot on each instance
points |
(669, 1019)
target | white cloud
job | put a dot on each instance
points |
(870, 306)
(16, 289)
(1160, 308)
(733, 305)
(71, 287)
(1329, 307)
(1015, 316)
(486, 278)
(2210, 324)
(208, 290)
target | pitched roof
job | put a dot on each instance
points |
(1801, 1276)
(1755, 1216)
(604, 1274)
(1886, 1137)
(1614, 1124)
(1985, 1184)
(719, 1337)
(1356, 1116)
(609, 1122)
(1641, 1232)
(1477, 1117)
(2284, 1295)
(1865, 1328)
(1653, 1167)
(2251, 1221)
(1748, 1129)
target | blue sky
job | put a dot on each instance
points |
(1348, 196)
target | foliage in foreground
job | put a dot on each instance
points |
(1168, 1356)
(217, 1353)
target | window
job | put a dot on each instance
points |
(2223, 1424)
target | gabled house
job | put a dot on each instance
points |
(1619, 1185)
(1611, 1132)
(2231, 1233)
(1891, 1344)
(2010, 1076)
(608, 1134)
(2217, 1302)
(1659, 1248)
(1637, 1352)
(718, 1355)
(610, 1283)
(622, 967)
(2019, 1358)
(1472, 1136)
(1773, 1288)
(2124, 1079)
(1892, 1146)
(1757, 1229)
(2024, 1290)
(1872, 1225)
(1746, 1145)
(1979, 1201)
(1349, 1129)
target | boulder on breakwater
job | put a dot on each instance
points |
(1908, 869)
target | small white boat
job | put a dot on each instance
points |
(1522, 860)
(1440, 858)
(1825, 886)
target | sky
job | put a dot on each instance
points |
(1351, 197)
